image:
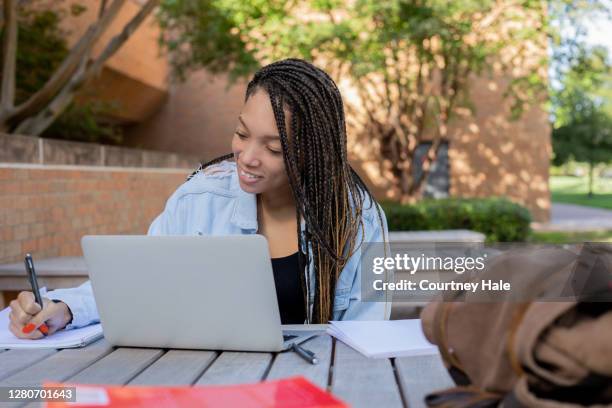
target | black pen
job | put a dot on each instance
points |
(305, 354)
(29, 264)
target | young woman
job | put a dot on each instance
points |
(288, 179)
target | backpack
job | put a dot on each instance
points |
(533, 353)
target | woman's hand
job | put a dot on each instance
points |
(26, 316)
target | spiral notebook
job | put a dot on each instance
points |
(61, 339)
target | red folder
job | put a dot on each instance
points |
(295, 392)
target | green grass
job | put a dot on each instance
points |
(570, 237)
(573, 190)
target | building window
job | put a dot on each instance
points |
(438, 182)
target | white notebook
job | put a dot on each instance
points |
(383, 338)
(61, 339)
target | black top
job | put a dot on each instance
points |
(289, 289)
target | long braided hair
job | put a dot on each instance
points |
(329, 194)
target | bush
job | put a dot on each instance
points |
(498, 218)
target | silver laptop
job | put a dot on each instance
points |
(191, 292)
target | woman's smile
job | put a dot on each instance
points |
(248, 177)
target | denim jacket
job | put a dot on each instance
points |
(212, 203)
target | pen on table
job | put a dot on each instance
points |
(305, 354)
(29, 264)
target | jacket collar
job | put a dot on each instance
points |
(245, 209)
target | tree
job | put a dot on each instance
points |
(583, 123)
(35, 114)
(581, 88)
(568, 31)
(410, 61)
(587, 137)
(42, 48)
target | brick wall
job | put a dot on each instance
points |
(46, 208)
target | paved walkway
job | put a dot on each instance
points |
(570, 217)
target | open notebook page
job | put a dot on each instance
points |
(61, 339)
(383, 338)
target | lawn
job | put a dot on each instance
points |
(563, 237)
(573, 190)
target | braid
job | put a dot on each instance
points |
(329, 194)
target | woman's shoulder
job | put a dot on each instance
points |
(218, 178)
(220, 170)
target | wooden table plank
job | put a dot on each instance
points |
(236, 368)
(56, 367)
(13, 361)
(362, 381)
(176, 367)
(59, 366)
(420, 375)
(118, 367)
(288, 363)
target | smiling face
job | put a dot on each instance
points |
(257, 147)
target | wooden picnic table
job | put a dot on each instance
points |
(355, 379)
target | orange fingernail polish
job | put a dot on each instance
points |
(44, 329)
(27, 329)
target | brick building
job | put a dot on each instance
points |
(484, 155)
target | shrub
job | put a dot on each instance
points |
(498, 218)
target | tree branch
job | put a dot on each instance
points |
(39, 123)
(398, 77)
(68, 67)
(102, 8)
(9, 55)
(20, 3)
(116, 42)
(387, 82)
(371, 87)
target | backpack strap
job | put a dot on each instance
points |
(463, 397)
(440, 334)
(517, 318)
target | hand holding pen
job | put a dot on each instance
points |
(29, 264)
(33, 317)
